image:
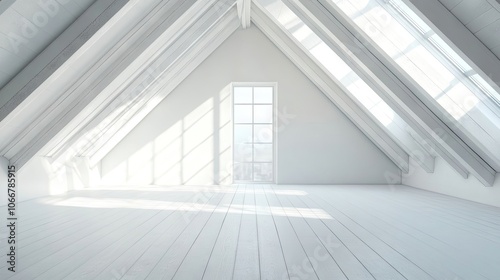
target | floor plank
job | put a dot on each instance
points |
(325, 266)
(272, 262)
(193, 265)
(223, 256)
(247, 265)
(298, 264)
(338, 250)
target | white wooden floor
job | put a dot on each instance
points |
(256, 232)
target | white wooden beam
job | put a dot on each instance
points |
(401, 93)
(401, 136)
(176, 61)
(125, 92)
(56, 54)
(331, 87)
(110, 61)
(461, 39)
(170, 79)
(244, 12)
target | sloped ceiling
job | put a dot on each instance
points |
(91, 85)
(472, 27)
(27, 27)
(481, 17)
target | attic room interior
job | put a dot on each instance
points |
(250, 139)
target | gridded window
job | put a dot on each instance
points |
(253, 118)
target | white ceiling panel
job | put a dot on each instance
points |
(27, 27)
(481, 17)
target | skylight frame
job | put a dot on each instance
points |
(445, 53)
(397, 128)
(487, 109)
(398, 89)
(362, 79)
(483, 142)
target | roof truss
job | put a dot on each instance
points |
(400, 92)
(56, 54)
(343, 46)
(109, 57)
(482, 60)
(329, 86)
(166, 70)
(130, 72)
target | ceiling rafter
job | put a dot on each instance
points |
(92, 95)
(126, 90)
(244, 10)
(345, 51)
(401, 95)
(174, 64)
(332, 89)
(56, 54)
(123, 47)
(181, 70)
(116, 134)
(461, 39)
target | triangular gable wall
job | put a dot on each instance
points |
(187, 138)
(19, 149)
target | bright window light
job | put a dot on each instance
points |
(448, 79)
(325, 56)
(253, 119)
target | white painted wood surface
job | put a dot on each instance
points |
(27, 27)
(256, 232)
(481, 17)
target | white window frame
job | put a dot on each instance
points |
(274, 85)
(487, 98)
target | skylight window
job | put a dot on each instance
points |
(337, 67)
(470, 104)
(446, 50)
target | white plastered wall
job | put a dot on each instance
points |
(42, 177)
(187, 138)
(447, 181)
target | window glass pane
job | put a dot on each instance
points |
(428, 59)
(242, 172)
(242, 133)
(243, 153)
(263, 133)
(263, 172)
(450, 53)
(263, 152)
(263, 95)
(263, 113)
(243, 113)
(253, 134)
(242, 95)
